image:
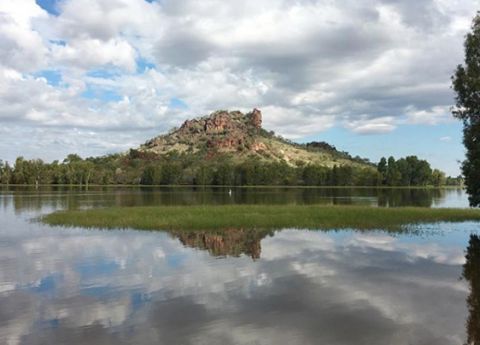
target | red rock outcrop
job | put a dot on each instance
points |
(221, 130)
(218, 123)
(256, 118)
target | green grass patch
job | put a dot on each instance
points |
(213, 217)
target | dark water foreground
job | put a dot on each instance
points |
(75, 286)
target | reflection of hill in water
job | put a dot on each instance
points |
(231, 242)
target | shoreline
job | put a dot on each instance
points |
(226, 186)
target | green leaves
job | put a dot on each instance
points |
(466, 84)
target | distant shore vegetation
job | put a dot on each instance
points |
(140, 168)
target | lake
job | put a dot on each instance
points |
(77, 286)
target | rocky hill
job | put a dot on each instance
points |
(240, 137)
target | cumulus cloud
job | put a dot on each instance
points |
(92, 53)
(21, 47)
(310, 65)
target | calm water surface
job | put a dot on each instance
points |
(76, 286)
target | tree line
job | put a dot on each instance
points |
(140, 168)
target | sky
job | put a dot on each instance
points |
(95, 77)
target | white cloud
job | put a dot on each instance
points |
(309, 65)
(446, 139)
(93, 53)
(429, 116)
(364, 125)
(107, 19)
(21, 47)
(22, 11)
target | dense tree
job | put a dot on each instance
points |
(345, 176)
(29, 171)
(224, 175)
(2, 171)
(466, 83)
(313, 176)
(151, 175)
(176, 168)
(5, 172)
(382, 167)
(368, 177)
(393, 175)
(419, 171)
(409, 171)
(438, 178)
(171, 173)
(203, 176)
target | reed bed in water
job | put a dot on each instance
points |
(217, 217)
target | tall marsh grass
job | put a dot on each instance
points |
(214, 217)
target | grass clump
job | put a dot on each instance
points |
(214, 217)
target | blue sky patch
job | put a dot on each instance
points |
(177, 103)
(53, 77)
(405, 140)
(51, 6)
(104, 73)
(143, 64)
(102, 94)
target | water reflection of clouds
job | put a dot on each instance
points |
(413, 250)
(103, 287)
(402, 279)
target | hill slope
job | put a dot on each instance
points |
(241, 137)
(225, 149)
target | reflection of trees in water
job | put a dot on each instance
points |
(230, 242)
(28, 198)
(409, 197)
(471, 272)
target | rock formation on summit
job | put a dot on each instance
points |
(221, 130)
(239, 137)
(256, 118)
